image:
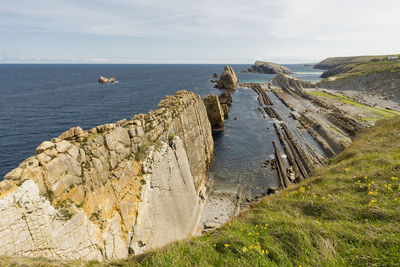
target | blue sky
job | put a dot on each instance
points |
(202, 31)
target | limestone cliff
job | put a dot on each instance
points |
(116, 189)
(268, 68)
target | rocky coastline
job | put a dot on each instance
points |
(104, 193)
(136, 185)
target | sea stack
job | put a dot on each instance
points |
(228, 79)
(268, 68)
(106, 80)
(215, 112)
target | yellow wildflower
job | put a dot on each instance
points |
(395, 199)
(226, 245)
(263, 251)
(251, 247)
(302, 189)
(314, 195)
(365, 177)
(244, 249)
(371, 202)
(347, 169)
(395, 178)
(389, 187)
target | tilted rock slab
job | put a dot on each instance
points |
(214, 111)
(116, 189)
(268, 68)
(228, 79)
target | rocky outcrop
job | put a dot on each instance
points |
(106, 80)
(214, 111)
(385, 83)
(228, 79)
(116, 189)
(289, 82)
(268, 68)
(225, 99)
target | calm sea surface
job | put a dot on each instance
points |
(39, 102)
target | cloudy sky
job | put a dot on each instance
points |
(201, 31)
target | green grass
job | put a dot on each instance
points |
(380, 113)
(327, 220)
(360, 66)
(346, 215)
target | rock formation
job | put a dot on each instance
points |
(228, 79)
(268, 68)
(225, 100)
(214, 112)
(106, 80)
(287, 81)
(122, 187)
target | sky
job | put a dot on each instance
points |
(201, 31)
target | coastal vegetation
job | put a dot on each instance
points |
(346, 214)
(341, 68)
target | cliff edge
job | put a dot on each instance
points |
(116, 189)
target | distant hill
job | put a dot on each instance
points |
(333, 62)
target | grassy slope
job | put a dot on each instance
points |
(350, 60)
(347, 214)
(360, 66)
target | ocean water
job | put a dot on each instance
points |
(39, 102)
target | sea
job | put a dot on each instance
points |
(40, 101)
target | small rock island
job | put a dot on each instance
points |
(268, 68)
(107, 80)
(228, 79)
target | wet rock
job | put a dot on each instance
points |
(225, 98)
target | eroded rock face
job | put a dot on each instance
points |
(89, 194)
(214, 111)
(286, 81)
(228, 79)
(268, 68)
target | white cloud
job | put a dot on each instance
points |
(260, 28)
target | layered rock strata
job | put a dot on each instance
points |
(116, 189)
(214, 111)
(228, 79)
(268, 68)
